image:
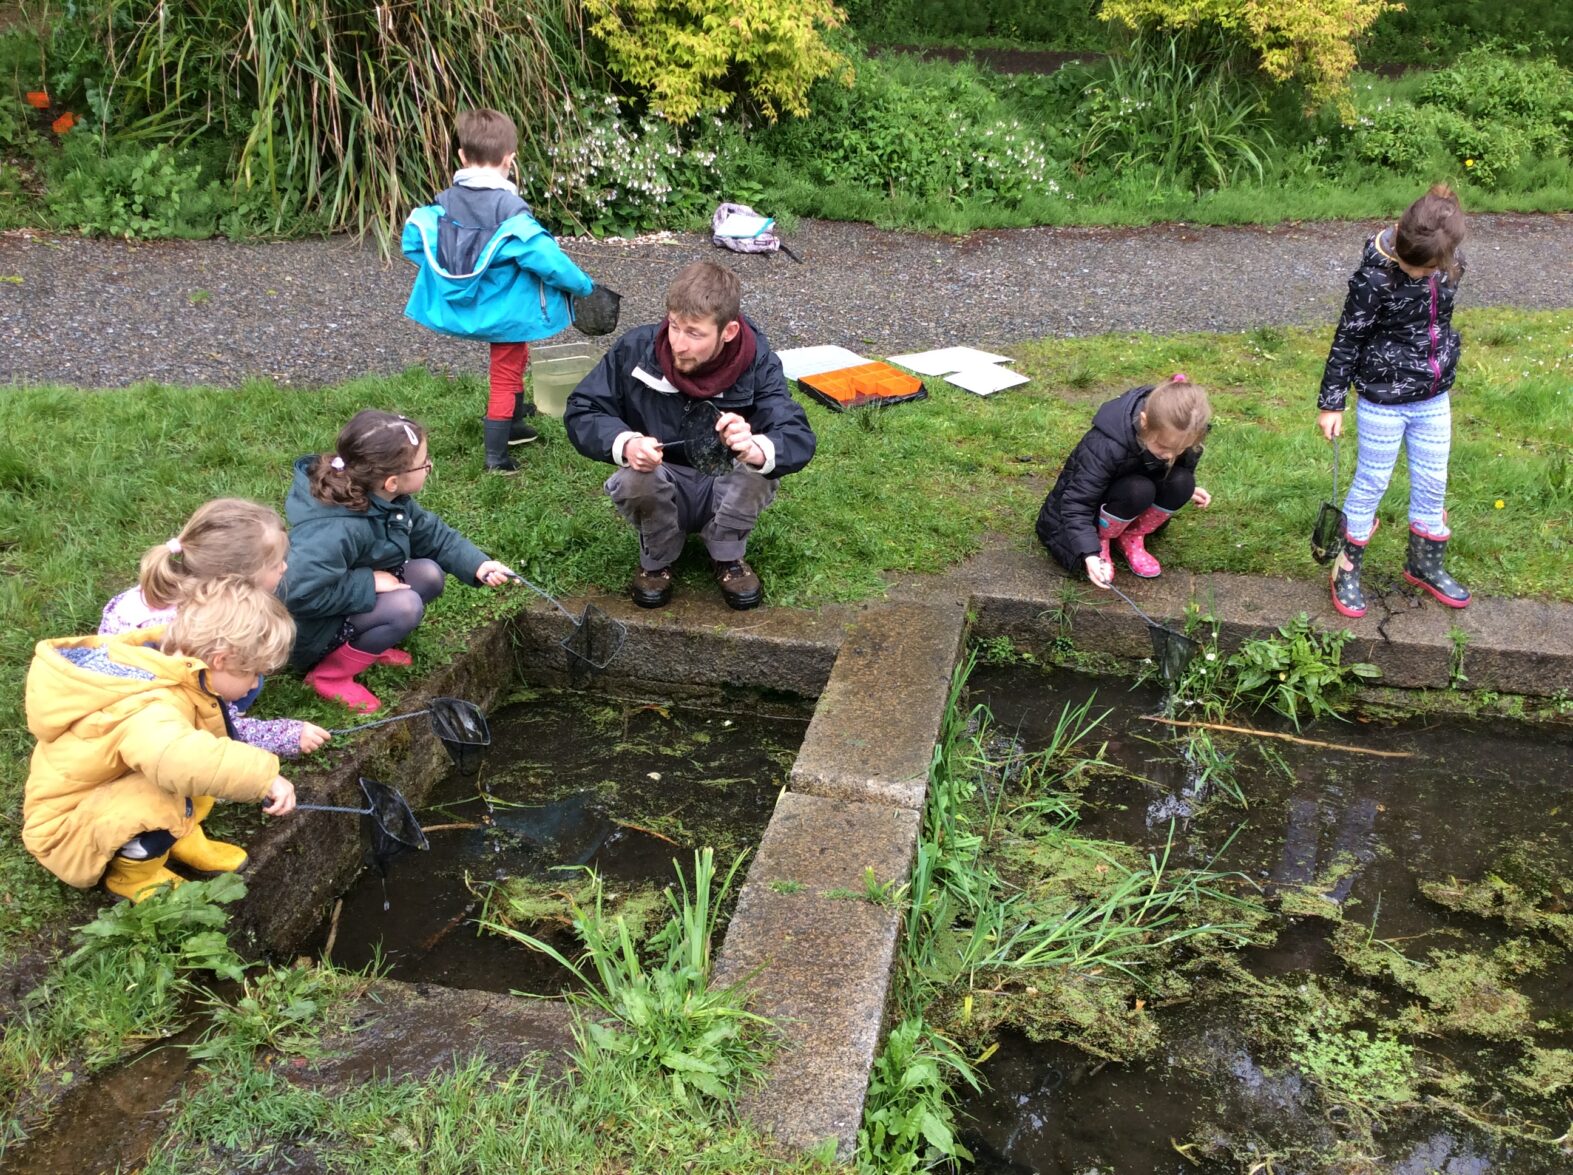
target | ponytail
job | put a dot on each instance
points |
(371, 448)
(1430, 231)
(225, 537)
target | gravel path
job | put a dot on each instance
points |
(305, 313)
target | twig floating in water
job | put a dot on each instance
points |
(466, 825)
(646, 831)
(333, 931)
(1288, 738)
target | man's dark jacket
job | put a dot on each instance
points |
(627, 392)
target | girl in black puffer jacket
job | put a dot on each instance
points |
(1135, 467)
(1397, 345)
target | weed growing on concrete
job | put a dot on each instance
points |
(1458, 639)
(908, 1121)
(787, 886)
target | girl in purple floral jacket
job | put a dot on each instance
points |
(227, 537)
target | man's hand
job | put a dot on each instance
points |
(642, 453)
(1331, 424)
(738, 437)
(280, 798)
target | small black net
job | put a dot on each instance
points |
(1173, 651)
(703, 447)
(596, 638)
(597, 314)
(391, 828)
(463, 730)
(1327, 533)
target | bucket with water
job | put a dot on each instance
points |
(555, 370)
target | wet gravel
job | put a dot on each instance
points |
(305, 313)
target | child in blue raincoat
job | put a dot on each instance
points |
(489, 271)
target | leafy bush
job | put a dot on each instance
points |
(1069, 24)
(1306, 41)
(1485, 116)
(611, 174)
(919, 131)
(694, 56)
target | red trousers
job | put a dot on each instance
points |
(507, 378)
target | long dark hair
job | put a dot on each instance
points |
(1430, 231)
(371, 448)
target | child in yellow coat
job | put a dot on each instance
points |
(134, 745)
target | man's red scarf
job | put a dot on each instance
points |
(714, 377)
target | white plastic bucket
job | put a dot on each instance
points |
(555, 370)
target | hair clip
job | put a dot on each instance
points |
(1179, 377)
(409, 433)
(174, 547)
(337, 463)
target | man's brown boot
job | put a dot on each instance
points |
(652, 589)
(739, 585)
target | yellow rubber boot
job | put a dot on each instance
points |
(136, 880)
(196, 851)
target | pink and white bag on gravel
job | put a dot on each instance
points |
(764, 241)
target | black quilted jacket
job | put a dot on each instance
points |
(1395, 341)
(1068, 522)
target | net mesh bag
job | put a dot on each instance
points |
(596, 638)
(391, 828)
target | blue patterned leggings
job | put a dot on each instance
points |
(1426, 428)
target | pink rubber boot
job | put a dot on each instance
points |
(398, 658)
(1130, 543)
(334, 677)
(1109, 529)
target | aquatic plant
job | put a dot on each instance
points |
(661, 1013)
(908, 1122)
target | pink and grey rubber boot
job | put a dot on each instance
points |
(334, 677)
(1130, 543)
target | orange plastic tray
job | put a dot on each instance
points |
(867, 383)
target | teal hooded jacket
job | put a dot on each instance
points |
(520, 290)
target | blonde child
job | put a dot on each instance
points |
(134, 744)
(366, 558)
(1396, 345)
(225, 537)
(1126, 478)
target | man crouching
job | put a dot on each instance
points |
(637, 410)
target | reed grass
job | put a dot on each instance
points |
(351, 103)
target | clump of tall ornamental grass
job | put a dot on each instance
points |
(348, 102)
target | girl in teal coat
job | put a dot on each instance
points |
(365, 559)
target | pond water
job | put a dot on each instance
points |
(1375, 964)
(570, 781)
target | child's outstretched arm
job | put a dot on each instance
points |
(161, 743)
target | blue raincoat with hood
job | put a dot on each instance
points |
(519, 288)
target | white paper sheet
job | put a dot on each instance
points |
(946, 360)
(986, 379)
(738, 224)
(800, 361)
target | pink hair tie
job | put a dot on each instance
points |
(1179, 377)
(173, 546)
(337, 463)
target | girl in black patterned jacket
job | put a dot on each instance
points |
(1396, 344)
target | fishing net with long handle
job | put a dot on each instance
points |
(1328, 532)
(595, 637)
(460, 725)
(1173, 651)
(389, 824)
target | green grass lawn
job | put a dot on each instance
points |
(93, 478)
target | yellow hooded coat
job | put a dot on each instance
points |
(127, 735)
